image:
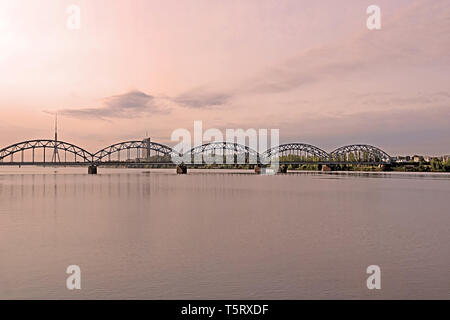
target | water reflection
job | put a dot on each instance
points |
(220, 234)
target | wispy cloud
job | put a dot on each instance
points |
(413, 40)
(136, 103)
(203, 98)
(128, 105)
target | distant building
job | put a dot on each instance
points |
(401, 159)
(417, 158)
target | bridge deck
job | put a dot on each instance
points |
(142, 163)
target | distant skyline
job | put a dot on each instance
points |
(311, 69)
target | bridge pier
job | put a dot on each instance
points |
(181, 169)
(283, 168)
(92, 169)
(385, 167)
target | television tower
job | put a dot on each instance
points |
(55, 147)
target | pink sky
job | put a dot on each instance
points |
(309, 68)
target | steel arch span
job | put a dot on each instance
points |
(360, 153)
(144, 145)
(45, 144)
(296, 149)
(241, 153)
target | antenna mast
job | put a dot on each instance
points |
(55, 148)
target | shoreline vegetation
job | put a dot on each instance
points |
(433, 165)
(393, 167)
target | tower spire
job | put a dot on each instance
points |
(56, 126)
(55, 143)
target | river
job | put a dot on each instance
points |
(222, 234)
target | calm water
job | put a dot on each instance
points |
(151, 234)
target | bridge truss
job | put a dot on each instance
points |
(142, 148)
(21, 147)
(218, 152)
(214, 152)
(296, 151)
(360, 153)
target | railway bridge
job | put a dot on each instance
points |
(46, 152)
